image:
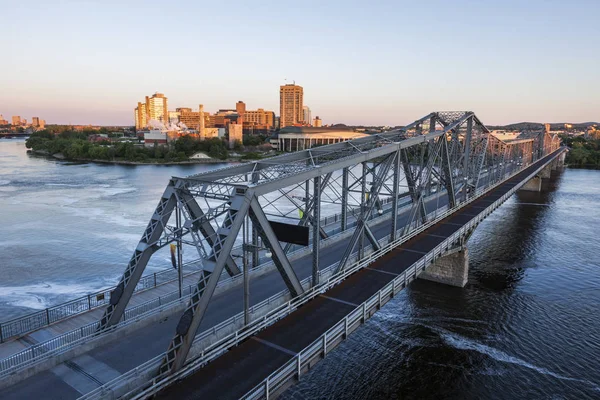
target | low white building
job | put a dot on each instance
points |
(294, 138)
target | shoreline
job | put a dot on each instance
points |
(60, 157)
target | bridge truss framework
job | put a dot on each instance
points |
(443, 153)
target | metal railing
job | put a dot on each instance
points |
(141, 382)
(39, 319)
(42, 318)
(293, 369)
(58, 345)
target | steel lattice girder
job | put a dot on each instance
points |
(216, 203)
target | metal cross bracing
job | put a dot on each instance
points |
(443, 154)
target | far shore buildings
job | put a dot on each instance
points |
(295, 138)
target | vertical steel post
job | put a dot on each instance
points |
(363, 208)
(179, 252)
(395, 194)
(246, 273)
(344, 199)
(316, 229)
(467, 156)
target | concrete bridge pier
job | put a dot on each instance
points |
(450, 269)
(558, 162)
(535, 183)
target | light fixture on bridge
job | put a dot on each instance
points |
(380, 211)
(268, 254)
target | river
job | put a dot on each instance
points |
(525, 326)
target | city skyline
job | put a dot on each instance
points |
(375, 65)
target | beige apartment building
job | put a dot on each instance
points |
(290, 105)
(260, 117)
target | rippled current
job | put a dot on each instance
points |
(526, 326)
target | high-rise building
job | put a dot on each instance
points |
(35, 121)
(42, 123)
(16, 120)
(306, 115)
(141, 121)
(156, 108)
(317, 123)
(3, 121)
(290, 105)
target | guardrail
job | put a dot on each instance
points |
(39, 319)
(293, 369)
(50, 315)
(141, 382)
(61, 343)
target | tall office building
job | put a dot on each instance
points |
(306, 115)
(156, 108)
(317, 123)
(16, 120)
(290, 105)
(3, 121)
(35, 121)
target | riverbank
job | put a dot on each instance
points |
(60, 156)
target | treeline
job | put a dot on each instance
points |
(74, 145)
(583, 152)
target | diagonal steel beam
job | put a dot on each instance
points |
(120, 296)
(204, 226)
(280, 260)
(204, 289)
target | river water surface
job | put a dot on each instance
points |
(526, 326)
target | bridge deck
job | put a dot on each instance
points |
(118, 357)
(235, 373)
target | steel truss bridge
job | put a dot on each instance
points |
(382, 192)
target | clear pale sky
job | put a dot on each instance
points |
(360, 62)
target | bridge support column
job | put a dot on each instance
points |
(558, 162)
(545, 172)
(451, 269)
(533, 185)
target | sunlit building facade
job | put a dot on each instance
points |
(291, 97)
(156, 108)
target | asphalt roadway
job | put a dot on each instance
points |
(87, 372)
(242, 368)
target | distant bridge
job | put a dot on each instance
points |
(398, 205)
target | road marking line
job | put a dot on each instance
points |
(434, 235)
(274, 346)
(415, 251)
(348, 303)
(383, 272)
(453, 223)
